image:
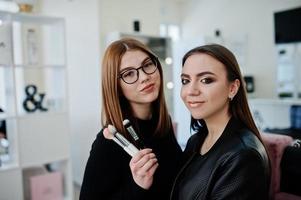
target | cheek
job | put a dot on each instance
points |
(122, 87)
(157, 76)
(126, 89)
(182, 93)
(218, 95)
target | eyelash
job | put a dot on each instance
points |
(206, 80)
(203, 80)
(184, 81)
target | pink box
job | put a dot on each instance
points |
(47, 186)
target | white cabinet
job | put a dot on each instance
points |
(272, 113)
(288, 70)
(34, 124)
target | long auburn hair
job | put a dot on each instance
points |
(238, 107)
(115, 107)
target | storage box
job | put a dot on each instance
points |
(47, 186)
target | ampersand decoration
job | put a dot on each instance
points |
(33, 100)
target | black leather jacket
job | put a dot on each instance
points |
(236, 167)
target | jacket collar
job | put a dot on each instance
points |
(232, 127)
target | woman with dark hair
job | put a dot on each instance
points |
(227, 158)
(132, 88)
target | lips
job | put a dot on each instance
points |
(149, 87)
(194, 104)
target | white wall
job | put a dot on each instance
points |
(116, 15)
(236, 18)
(83, 55)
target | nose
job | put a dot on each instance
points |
(193, 89)
(143, 76)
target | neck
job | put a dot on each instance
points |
(217, 125)
(215, 129)
(142, 111)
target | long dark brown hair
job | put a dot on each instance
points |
(238, 107)
(115, 107)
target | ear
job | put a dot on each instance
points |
(234, 87)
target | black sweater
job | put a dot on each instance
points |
(108, 175)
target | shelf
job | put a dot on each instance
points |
(5, 41)
(32, 150)
(10, 158)
(10, 166)
(12, 187)
(7, 100)
(40, 67)
(33, 41)
(276, 102)
(49, 91)
(34, 119)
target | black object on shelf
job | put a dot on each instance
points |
(250, 87)
(2, 125)
(31, 102)
(136, 25)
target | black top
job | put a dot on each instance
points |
(108, 175)
(236, 167)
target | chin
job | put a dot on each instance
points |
(197, 115)
(151, 99)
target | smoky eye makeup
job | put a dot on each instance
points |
(207, 80)
(184, 81)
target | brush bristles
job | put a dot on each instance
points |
(107, 134)
(126, 122)
(112, 129)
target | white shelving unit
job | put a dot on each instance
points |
(288, 70)
(272, 113)
(32, 59)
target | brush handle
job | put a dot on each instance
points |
(133, 133)
(118, 142)
(122, 139)
(126, 144)
(131, 149)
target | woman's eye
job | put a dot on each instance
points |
(207, 80)
(184, 81)
(129, 73)
(147, 65)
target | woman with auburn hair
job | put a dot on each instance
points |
(227, 158)
(132, 88)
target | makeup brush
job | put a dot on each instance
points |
(126, 145)
(108, 135)
(128, 126)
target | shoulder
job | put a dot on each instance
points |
(100, 139)
(103, 146)
(243, 145)
(193, 142)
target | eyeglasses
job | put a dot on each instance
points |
(131, 75)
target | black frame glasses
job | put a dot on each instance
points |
(149, 66)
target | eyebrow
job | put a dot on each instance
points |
(198, 75)
(132, 67)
